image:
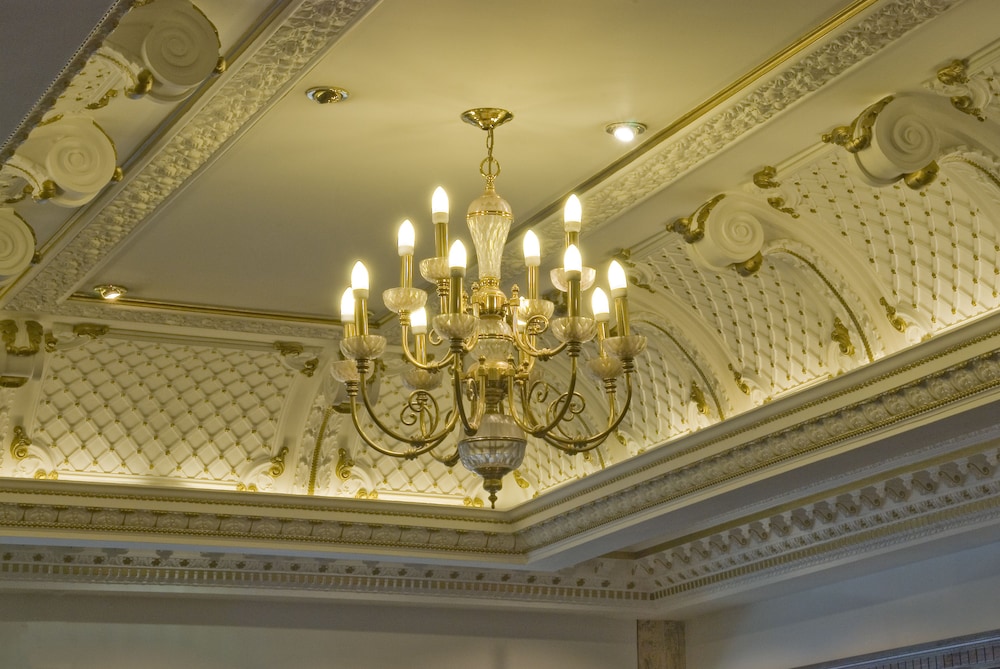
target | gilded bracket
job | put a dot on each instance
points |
(344, 464)
(699, 399)
(692, 228)
(277, 467)
(8, 334)
(842, 336)
(897, 321)
(956, 73)
(765, 180)
(19, 443)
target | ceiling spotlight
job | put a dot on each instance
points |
(327, 94)
(626, 131)
(110, 292)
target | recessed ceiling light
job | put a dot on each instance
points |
(626, 131)
(110, 292)
(327, 94)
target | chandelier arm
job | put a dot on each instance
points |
(523, 344)
(450, 460)
(536, 430)
(479, 403)
(414, 451)
(585, 444)
(430, 367)
(370, 410)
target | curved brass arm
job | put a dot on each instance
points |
(535, 430)
(430, 367)
(478, 404)
(413, 451)
(523, 344)
(585, 444)
(434, 439)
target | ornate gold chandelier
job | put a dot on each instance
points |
(490, 347)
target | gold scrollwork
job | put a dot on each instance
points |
(750, 266)
(858, 135)
(692, 228)
(42, 475)
(277, 467)
(143, 85)
(344, 464)
(842, 336)
(740, 383)
(243, 487)
(699, 399)
(473, 502)
(922, 177)
(954, 73)
(105, 99)
(765, 177)
(897, 321)
(521, 482)
(20, 443)
(8, 334)
(364, 494)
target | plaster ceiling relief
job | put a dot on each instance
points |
(810, 227)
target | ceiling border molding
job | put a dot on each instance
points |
(881, 399)
(901, 507)
(304, 34)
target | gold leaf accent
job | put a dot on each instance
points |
(858, 135)
(278, 464)
(764, 178)
(520, 480)
(842, 336)
(473, 502)
(19, 444)
(699, 399)
(344, 464)
(897, 322)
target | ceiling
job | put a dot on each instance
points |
(821, 380)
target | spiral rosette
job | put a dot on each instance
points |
(577, 329)
(403, 299)
(181, 47)
(625, 347)
(17, 244)
(363, 347)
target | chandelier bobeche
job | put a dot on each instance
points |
(501, 396)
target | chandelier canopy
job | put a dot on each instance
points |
(491, 348)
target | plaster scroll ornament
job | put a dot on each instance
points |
(165, 48)
(68, 160)
(17, 244)
(726, 230)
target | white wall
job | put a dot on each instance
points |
(922, 602)
(51, 631)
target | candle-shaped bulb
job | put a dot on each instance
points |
(347, 307)
(439, 206)
(572, 214)
(532, 250)
(599, 305)
(418, 321)
(616, 279)
(572, 262)
(359, 279)
(405, 239)
(457, 257)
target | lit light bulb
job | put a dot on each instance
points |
(347, 306)
(572, 214)
(418, 321)
(572, 262)
(624, 133)
(617, 279)
(599, 305)
(439, 206)
(359, 279)
(405, 239)
(457, 258)
(532, 250)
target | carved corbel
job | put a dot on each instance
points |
(163, 49)
(903, 137)
(66, 161)
(62, 337)
(726, 232)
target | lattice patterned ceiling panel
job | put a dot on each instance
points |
(158, 410)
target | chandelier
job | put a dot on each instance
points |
(487, 350)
